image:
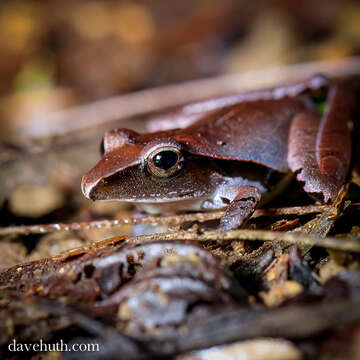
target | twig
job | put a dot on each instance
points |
(155, 220)
(156, 99)
(300, 239)
(227, 326)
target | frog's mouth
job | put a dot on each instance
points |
(88, 189)
(107, 190)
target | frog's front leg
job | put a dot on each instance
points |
(241, 207)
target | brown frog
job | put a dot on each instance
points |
(237, 152)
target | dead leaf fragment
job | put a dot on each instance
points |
(11, 253)
(35, 201)
(258, 349)
(279, 293)
(55, 243)
(328, 270)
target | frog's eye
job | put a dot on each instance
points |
(165, 161)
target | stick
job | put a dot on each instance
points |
(156, 99)
(155, 220)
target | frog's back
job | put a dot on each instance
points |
(251, 131)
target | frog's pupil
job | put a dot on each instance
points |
(165, 159)
(102, 147)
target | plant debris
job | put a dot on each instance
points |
(137, 286)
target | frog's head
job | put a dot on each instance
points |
(152, 168)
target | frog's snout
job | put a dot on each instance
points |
(87, 187)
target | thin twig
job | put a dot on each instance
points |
(156, 99)
(154, 220)
(300, 239)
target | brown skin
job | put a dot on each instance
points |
(230, 156)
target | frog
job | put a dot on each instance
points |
(236, 153)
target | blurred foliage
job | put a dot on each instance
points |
(101, 48)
